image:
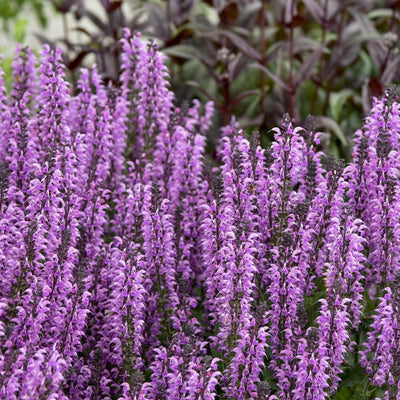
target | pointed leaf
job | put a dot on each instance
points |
(241, 44)
(242, 96)
(288, 16)
(302, 44)
(376, 48)
(230, 12)
(185, 51)
(381, 13)
(306, 69)
(82, 30)
(332, 126)
(315, 9)
(76, 62)
(337, 101)
(366, 98)
(232, 67)
(97, 21)
(202, 90)
(181, 33)
(272, 76)
(391, 68)
(20, 29)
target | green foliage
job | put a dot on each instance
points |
(6, 66)
(20, 29)
(10, 15)
(355, 384)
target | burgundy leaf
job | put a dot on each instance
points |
(272, 76)
(390, 71)
(242, 96)
(376, 47)
(241, 44)
(180, 10)
(375, 87)
(230, 12)
(82, 30)
(183, 33)
(115, 5)
(366, 98)
(290, 12)
(306, 68)
(98, 22)
(315, 10)
(232, 67)
(76, 62)
(202, 90)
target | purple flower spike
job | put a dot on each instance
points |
(381, 355)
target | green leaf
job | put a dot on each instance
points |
(337, 100)
(20, 30)
(39, 11)
(356, 377)
(357, 389)
(268, 376)
(185, 51)
(369, 305)
(367, 65)
(343, 394)
(362, 392)
(6, 66)
(380, 13)
(332, 126)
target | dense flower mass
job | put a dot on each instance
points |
(136, 266)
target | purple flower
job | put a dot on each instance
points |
(381, 354)
(311, 379)
(373, 187)
(145, 85)
(333, 335)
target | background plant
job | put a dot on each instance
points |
(258, 59)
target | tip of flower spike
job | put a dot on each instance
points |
(309, 124)
(286, 121)
(127, 33)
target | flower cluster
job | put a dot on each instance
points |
(134, 265)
